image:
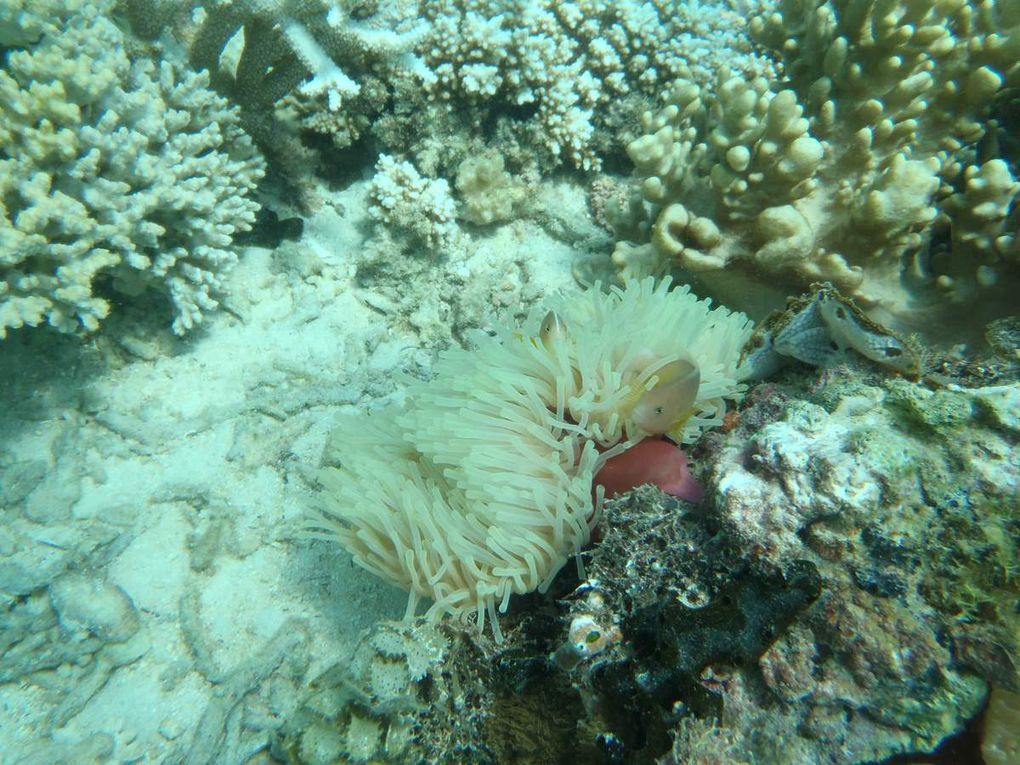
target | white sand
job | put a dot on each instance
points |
(162, 490)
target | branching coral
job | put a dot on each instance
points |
(482, 486)
(112, 171)
(314, 46)
(864, 167)
(570, 61)
(560, 81)
(420, 207)
(331, 62)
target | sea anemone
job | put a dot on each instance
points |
(481, 486)
(651, 460)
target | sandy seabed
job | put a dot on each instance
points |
(158, 605)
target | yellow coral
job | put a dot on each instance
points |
(854, 170)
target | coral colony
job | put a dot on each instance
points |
(672, 371)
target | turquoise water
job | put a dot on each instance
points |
(338, 340)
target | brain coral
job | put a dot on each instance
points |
(113, 173)
(481, 487)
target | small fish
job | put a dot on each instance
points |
(849, 327)
(670, 402)
(553, 331)
(820, 328)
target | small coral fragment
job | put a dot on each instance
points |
(419, 207)
(487, 190)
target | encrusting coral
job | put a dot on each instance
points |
(481, 486)
(112, 172)
(870, 166)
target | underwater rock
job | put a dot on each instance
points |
(1003, 337)
(905, 499)
(685, 604)
(845, 594)
(70, 639)
(1001, 744)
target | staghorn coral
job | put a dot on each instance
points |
(541, 82)
(863, 167)
(313, 47)
(113, 173)
(482, 486)
(24, 21)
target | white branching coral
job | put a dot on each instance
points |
(420, 207)
(571, 60)
(324, 66)
(317, 45)
(481, 487)
(341, 64)
(112, 172)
